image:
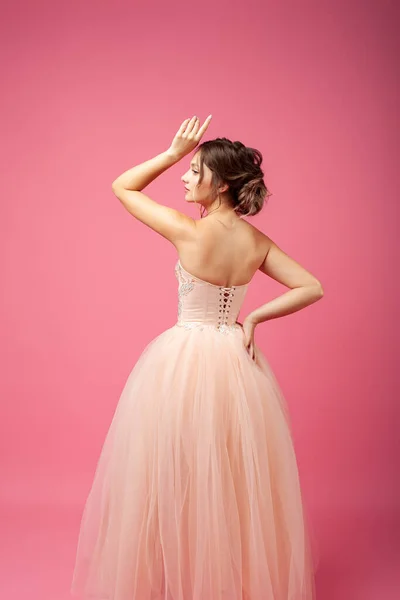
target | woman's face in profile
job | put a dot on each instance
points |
(193, 191)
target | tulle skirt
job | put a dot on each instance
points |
(196, 494)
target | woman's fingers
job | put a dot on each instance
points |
(248, 342)
(183, 126)
(191, 125)
(196, 126)
(249, 347)
(188, 136)
(204, 126)
(251, 350)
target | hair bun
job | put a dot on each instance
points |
(240, 166)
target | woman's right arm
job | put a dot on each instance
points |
(305, 288)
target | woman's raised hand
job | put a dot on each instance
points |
(188, 136)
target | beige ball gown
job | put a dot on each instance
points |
(196, 494)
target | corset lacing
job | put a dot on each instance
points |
(226, 295)
(225, 299)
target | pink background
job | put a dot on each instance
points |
(89, 90)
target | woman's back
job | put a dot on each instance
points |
(224, 252)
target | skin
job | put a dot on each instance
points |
(201, 193)
(221, 247)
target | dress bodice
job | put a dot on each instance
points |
(204, 304)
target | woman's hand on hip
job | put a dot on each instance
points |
(248, 327)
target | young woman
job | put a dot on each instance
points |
(196, 494)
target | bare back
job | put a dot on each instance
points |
(223, 254)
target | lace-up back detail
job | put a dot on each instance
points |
(203, 304)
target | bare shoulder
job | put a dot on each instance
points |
(262, 242)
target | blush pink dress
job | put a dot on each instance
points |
(196, 494)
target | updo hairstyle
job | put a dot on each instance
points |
(238, 166)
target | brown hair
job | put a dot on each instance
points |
(238, 166)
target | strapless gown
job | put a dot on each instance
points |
(196, 494)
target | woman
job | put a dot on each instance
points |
(196, 494)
